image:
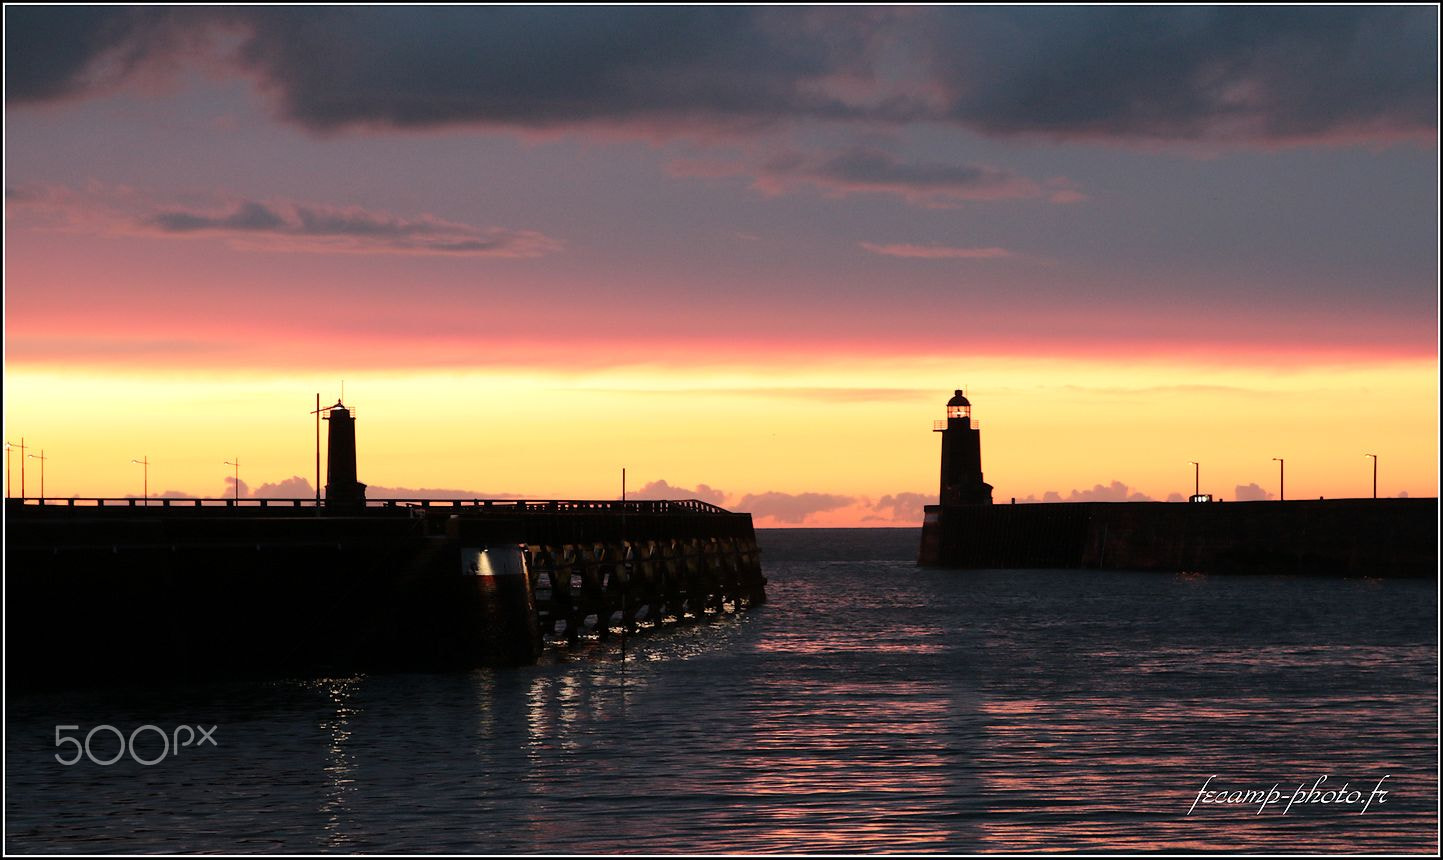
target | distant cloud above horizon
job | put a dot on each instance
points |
(661, 490)
(791, 508)
(905, 508)
(374, 491)
(1116, 491)
(1254, 76)
(1251, 493)
(294, 487)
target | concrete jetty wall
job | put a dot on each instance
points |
(1346, 537)
(128, 592)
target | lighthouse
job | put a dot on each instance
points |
(962, 482)
(342, 488)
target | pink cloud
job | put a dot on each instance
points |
(792, 508)
(660, 489)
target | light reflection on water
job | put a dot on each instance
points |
(869, 707)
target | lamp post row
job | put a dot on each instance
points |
(145, 462)
(23, 448)
(1282, 496)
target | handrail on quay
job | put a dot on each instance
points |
(630, 506)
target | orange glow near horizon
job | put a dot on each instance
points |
(839, 428)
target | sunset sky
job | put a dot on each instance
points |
(745, 254)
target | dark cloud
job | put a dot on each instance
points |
(540, 67)
(936, 252)
(51, 51)
(660, 489)
(869, 170)
(1250, 74)
(1188, 73)
(247, 216)
(789, 508)
(277, 225)
(865, 167)
(336, 229)
(866, 170)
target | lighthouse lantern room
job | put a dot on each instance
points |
(962, 482)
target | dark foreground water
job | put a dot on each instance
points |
(870, 707)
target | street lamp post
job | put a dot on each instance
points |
(42, 458)
(144, 461)
(22, 448)
(237, 477)
(1280, 478)
(1374, 456)
(1196, 485)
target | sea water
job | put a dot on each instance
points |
(870, 706)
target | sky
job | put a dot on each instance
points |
(745, 254)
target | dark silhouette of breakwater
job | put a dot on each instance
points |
(1342, 537)
(119, 590)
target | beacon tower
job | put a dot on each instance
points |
(962, 482)
(342, 488)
